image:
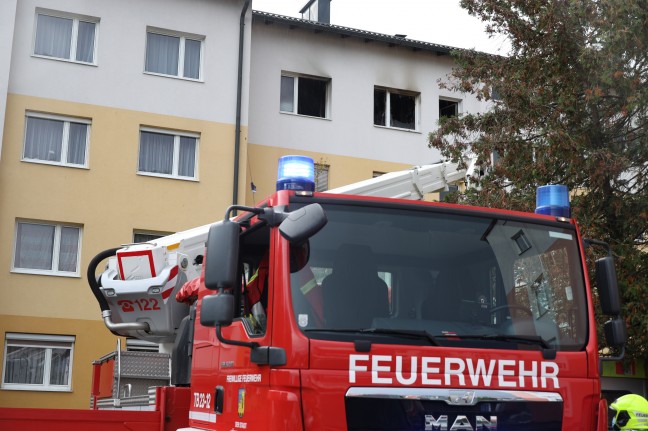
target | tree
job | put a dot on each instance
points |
(569, 106)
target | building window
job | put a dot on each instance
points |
(395, 108)
(135, 345)
(169, 155)
(66, 37)
(321, 177)
(48, 249)
(304, 95)
(140, 236)
(56, 140)
(173, 54)
(38, 362)
(448, 108)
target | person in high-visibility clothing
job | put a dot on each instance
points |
(302, 277)
(630, 412)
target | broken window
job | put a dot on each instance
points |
(304, 96)
(394, 108)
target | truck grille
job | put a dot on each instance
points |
(391, 409)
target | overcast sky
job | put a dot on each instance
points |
(442, 22)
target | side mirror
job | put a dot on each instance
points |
(217, 310)
(303, 223)
(606, 283)
(615, 332)
(222, 255)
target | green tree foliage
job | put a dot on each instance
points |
(569, 106)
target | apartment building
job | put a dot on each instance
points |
(359, 103)
(122, 121)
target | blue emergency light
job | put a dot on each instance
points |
(296, 173)
(553, 200)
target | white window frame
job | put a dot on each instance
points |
(76, 18)
(296, 77)
(176, 153)
(55, 252)
(66, 139)
(48, 343)
(181, 53)
(417, 108)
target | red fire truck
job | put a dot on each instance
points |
(333, 311)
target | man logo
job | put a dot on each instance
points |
(461, 423)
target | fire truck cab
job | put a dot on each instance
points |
(391, 314)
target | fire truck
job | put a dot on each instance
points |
(364, 308)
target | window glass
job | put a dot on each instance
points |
(44, 139)
(146, 237)
(37, 362)
(34, 246)
(287, 94)
(46, 248)
(167, 154)
(162, 53)
(192, 59)
(187, 156)
(311, 97)
(307, 97)
(459, 278)
(448, 108)
(173, 55)
(53, 36)
(69, 249)
(402, 109)
(85, 42)
(380, 104)
(395, 108)
(156, 153)
(77, 143)
(58, 36)
(58, 141)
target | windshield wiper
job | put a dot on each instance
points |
(548, 352)
(385, 331)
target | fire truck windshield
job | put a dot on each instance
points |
(424, 275)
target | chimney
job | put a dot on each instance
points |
(317, 10)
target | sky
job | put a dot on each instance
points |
(442, 22)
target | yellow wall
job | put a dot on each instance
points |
(109, 200)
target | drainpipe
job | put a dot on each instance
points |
(239, 89)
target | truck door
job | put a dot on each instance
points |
(241, 385)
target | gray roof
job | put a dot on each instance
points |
(367, 36)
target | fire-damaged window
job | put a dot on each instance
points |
(37, 362)
(448, 108)
(396, 108)
(304, 95)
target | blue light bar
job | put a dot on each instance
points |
(296, 173)
(553, 200)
